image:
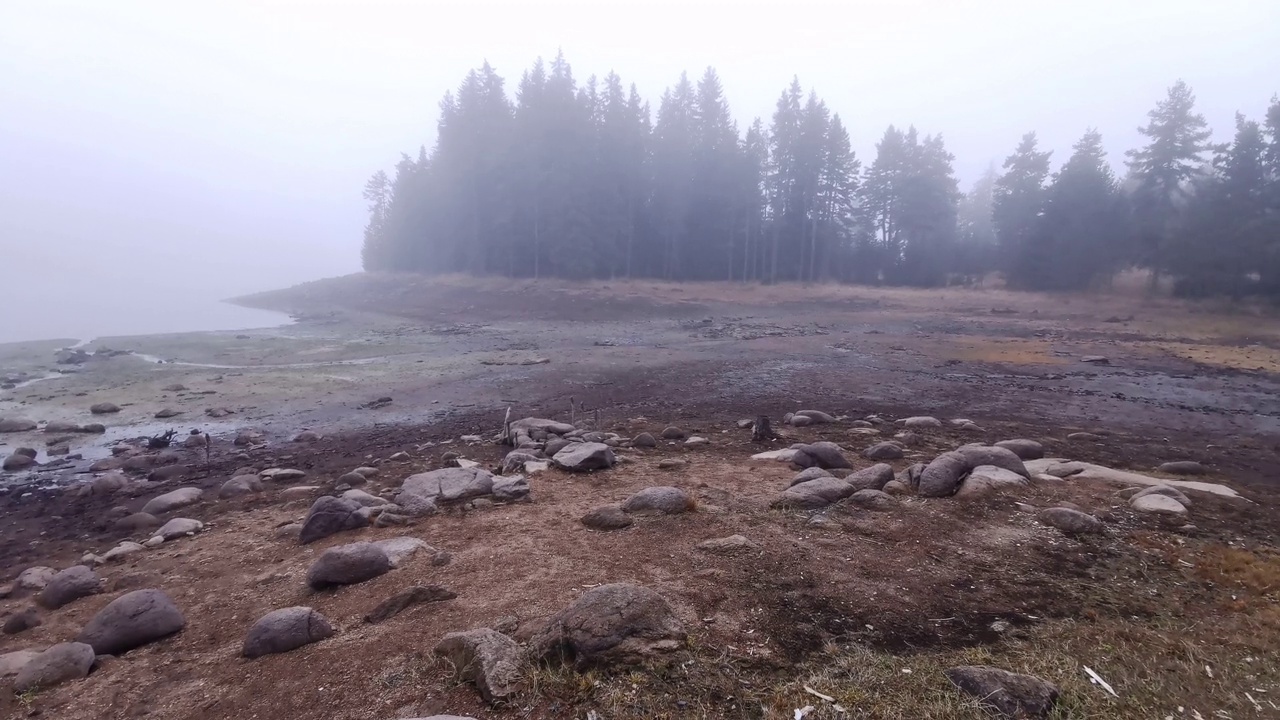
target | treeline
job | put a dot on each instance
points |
(585, 181)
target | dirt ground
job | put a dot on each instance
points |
(867, 607)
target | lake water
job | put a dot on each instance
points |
(113, 315)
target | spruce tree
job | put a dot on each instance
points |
(1018, 201)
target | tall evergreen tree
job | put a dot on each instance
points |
(374, 253)
(1077, 239)
(1019, 197)
(976, 243)
(1177, 141)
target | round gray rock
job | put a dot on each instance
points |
(616, 623)
(872, 478)
(68, 586)
(607, 517)
(173, 500)
(1070, 521)
(241, 485)
(883, 451)
(285, 629)
(1023, 448)
(348, 565)
(330, 515)
(132, 620)
(663, 500)
(58, 664)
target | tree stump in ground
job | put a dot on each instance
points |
(760, 430)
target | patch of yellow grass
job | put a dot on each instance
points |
(1017, 352)
(1252, 357)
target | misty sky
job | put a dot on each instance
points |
(175, 152)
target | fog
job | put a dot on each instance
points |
(160, 156)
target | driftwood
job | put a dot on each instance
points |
(161, 441)
(760, 430)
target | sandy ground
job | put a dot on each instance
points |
(847, 605)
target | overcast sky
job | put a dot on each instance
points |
(184, 149)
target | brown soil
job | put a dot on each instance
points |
(844, 606)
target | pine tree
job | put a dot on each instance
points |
(976, 242)
(1077, 239)
(1161, 170)
(1018, 201)
(375, 253)
(927, 212)
(880, 203)
(673, 144)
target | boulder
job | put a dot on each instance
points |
(11, 663)
(1010, 695)
(15, 424)
(122, 551)
(108, 483)
(368, 472)
(607, 517)
(485, 658)
(167, 413)
(68, 586)
(942, 476)
(16, 462)
(998, 456)
(286, 629)
(307, 436)
(363, 498)
(584, 457)
(816, 417)
(872, 478)
(1158, 504)
(894, 487)
(510, 488)
(799, 420)
(168, 472)
(330, 515)
(662, 500)
(282, 474)
(59, 426)
(415, 595)
(815, 494)
(172, 500)
(347, 565)
(812, 473)
(104, 408)
(515, 460)
(826, 455)
(137, 522)
(921, 422)
(1183, 467)
(555, 445)
(883, 451)
(22, 621)
(644, 440)
(1167, 490)
(987, 479)
(60, 663)
(132, 620)
(872, 500)
(1023, 448)
(399, 549)
(1070, 521)
(673, 433)
(419, 494)
(179, 527)
(727, 545)
(106, 464)
(616, 623)
(352, 479)
(240, 485)
(299, 492)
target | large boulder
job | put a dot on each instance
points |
(584, 457)
(68, 586)
(662, 500)
(816, 417)
(132, 620)
(510, 488)
(16, 424)
(348, 565)
(872, 478)
(60, 663)
(1010, 695)
(419, 494)
(987, 479)
(286, 629)
(486, 658)
(172, 500)
(240, 485)
(942, 476)
(616, 623)
(16, 462)
(1023, 448)
(815, 494)
(825, 455)
(991, 455)
(331, 515)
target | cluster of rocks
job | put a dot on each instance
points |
(657, 500)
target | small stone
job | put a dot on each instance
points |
(1070, 521)
(401, 456)
(282, 474)
(727, 545)
(672, 463)
(696, 440)
(173, 500)
(1158, 504)
(1167, 490)
(1009, 694)
(122, 550)
(179, 527)
(104, 408)
(644, 440)
(167, 413)
(137, 522)
(307, 436)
